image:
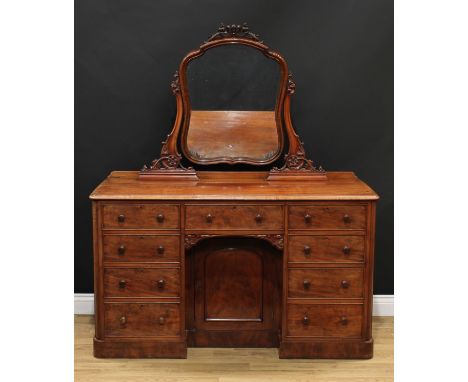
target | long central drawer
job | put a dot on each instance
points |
(234, 217)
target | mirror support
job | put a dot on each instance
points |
(168, 165)
(296, 165)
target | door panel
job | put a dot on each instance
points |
(235, 289)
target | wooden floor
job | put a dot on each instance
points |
(229, 365)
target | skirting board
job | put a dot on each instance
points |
(383, 304)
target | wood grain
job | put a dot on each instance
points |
(142, 248)
(125, 185)
(236, 286)
(324, 320)
(326, 282)
(327, 217)
(141, 282)
(141, 320)
(234, 216)
(142, 215)
(326, 249)
(216, 134)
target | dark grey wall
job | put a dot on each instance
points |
(341, 55)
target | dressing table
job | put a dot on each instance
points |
(232, 237)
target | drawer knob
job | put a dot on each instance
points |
(345, 284)
(346, 250)
(162, 320)
(307, 250)
(123, 320)
(307, 218)
(209, 218)
(161, 249)
(121, 250)
(121, 218)
(305, 319)
(344, 320)
(161, 283)
(122, 284)
(258, 218)
(160, 218)
(347, 218)
(306, 284)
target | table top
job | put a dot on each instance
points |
(125, 185)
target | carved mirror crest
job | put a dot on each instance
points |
(233, 106)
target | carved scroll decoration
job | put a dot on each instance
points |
(277, 240)
(175, 84)
(170, 160)
(295, 160)
(234, 31)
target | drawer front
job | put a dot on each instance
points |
(140, 216)
(141, 248)
(141, 282)
(234, 217)
(327, 217)
(325, 282)
(325, 320)
(141, 320)
(322, 249)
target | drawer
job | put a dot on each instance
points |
(234, 217)
(325, 282)
(322, 249)
(327, 217)
(140, 216)
(141, 320)
(141, 282)
(324, 320)
(141, 248)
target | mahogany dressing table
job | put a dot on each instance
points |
(271, 252)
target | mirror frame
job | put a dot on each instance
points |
(169, 164)
(213, 42)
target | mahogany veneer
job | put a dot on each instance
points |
(233, 260)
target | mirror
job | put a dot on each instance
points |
(232, 116)
(233, 98)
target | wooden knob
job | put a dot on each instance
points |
(121, 218)
(162, 320)
(209, 218)
(122, 284)
(347, 218)
(346, 250)
(258, 218)
(306, 284)
(307, 218)
(160, 249)
(345, 284)
(160, 218)
(123, 320)
(344, 320)
(307, 250)
(121, 250)
(161, 284)
(305, 319)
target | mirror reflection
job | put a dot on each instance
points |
(232, 94)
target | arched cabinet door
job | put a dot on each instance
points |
(235, 286)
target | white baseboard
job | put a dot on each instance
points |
(84, 303)
(383, 304)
